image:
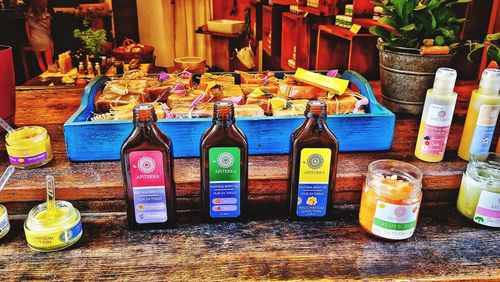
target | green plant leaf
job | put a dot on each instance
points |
(388, 21)
(493, 37)
(385, 34)
(409, 27)
(439, 40)
(399, 6)
(446, 32)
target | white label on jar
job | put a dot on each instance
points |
(4, 222)
(488, 209)
(395, 221)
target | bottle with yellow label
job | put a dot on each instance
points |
(482, 116)
(314, 167)
(436, 117)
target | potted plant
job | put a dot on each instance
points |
(93, 40)
(416, 38)
(492, 50)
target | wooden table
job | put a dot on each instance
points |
(445, 246)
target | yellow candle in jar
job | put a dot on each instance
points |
(29, 147)
(54, 225)
(479, 196)
(390, 200)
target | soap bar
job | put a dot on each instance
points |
(332, 84)
(248, 111)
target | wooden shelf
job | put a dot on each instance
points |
(271, 26)
(284, 2)
(339, 48)
(218, 34)
(326, 8)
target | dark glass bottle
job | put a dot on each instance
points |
(314, 167)
(148, 173)
(224, 168)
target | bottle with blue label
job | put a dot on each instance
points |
(224, 168)
(148, 173)
(482, 116)
(314, 167)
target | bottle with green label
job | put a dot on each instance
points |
(224, 168)
(314, 167)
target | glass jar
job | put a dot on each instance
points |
(29, 147)
(390, 200)
(47, 232)
(4, 221)
(479, 196)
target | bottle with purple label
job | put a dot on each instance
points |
(224, 168)
(148, 174)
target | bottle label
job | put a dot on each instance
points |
(314, 175)
(395, 222)
(53, 240)
(485, 128)
(488, 209)
(148, 186)
(4, 222)
(225, 182)
(437, 128)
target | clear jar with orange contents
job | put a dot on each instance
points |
(390, 201)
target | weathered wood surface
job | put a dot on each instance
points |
(445, 247)
(95, 182)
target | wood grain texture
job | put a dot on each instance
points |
(445, 247)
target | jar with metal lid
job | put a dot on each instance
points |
(29, 147)
(479, 196)
(390, 200)
(53, 230)
(4, 221)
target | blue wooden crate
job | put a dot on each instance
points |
(101, 140)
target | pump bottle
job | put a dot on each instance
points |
(436, 117)
(482, 116)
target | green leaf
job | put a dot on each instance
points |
(388, 21)
(439, 40)
(493, 37)
(409, 27)
(445, 32)
(399, 5)
(381, 32)
(420, 7)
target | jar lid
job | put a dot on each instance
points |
(26, 134)
(39, 221)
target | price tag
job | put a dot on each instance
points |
(355, 28)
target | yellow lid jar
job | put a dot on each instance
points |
(479, 196)
(47, 232)
(4, 221)
(390, 200)
(29, 147)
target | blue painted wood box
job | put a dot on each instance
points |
(102, 140)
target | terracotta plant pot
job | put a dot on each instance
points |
(7, 85)
(405, 76)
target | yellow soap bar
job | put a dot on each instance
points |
(332, 84)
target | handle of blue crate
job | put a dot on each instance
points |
(361, 83)
(87, 105)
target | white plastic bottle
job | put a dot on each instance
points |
(436, 117)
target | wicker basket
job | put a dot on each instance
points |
(132, 50)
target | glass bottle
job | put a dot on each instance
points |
(224, 168)
(314, 167)
(148, 174)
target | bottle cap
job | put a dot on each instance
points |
(490, 82)
(444, 82)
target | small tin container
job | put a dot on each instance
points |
(29, 147)
(479, 196)
(4, 222)
(57, 231)
(390, 201)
